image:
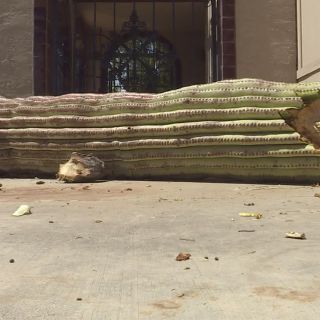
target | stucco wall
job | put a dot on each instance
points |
(308, 40)
(16, 49)
(311, 78)
(266, 39)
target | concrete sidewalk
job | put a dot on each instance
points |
(107, 251)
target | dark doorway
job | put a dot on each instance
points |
(139, 60)
(115, 45)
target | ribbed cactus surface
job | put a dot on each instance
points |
(228, 129)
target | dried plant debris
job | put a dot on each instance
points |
(22, 210)
(183, 256)
(81, 168)
(296, 235)
(251, 214)
(187, 239)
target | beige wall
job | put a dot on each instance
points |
(308, 40)
(314, 77)
(266, 39)
(16, 49)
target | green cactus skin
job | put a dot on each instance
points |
(232, 129)
(130, 119)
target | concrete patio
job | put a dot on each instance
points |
(107, 251)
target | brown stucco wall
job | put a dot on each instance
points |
(16, 49)
(266, 39)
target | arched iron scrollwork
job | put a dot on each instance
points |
(138, 60)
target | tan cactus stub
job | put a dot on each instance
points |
(81, 168)
(236, 129)
(305, 121)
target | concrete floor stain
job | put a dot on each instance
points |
(287, 294)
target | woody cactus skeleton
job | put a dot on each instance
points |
(245, 129)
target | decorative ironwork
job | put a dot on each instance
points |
(134, 24)
(139, 61)
(74, 54)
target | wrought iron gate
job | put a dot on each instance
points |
(139, 60)
(135, 58)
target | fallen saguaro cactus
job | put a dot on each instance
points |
(244, 129)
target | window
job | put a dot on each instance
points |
(139, 61)
(112, 45)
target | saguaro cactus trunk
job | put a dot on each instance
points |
(245, 129)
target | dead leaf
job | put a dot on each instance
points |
(182, 256)
(186, 239)
(296, 235)
(22, 210)
(251, 214)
